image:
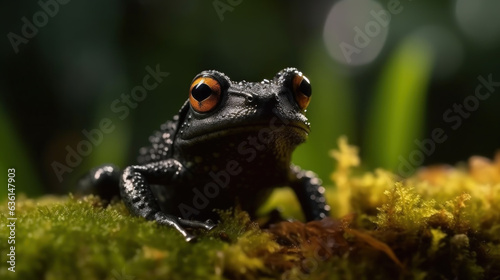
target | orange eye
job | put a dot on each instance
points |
(204, 94)
(302, 90)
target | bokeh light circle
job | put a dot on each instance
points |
(355, 31)
(479, 20)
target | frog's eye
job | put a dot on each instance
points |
(204, 94)
(301, 90)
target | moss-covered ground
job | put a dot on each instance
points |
(442, 223)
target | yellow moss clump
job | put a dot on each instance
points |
(460, 196)
(451, 212)
(404, 210)
(347, 157)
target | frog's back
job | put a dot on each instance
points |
(162, 141)
(160, 146)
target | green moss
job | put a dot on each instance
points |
(405, 210)
(443, 223)
(81, 239)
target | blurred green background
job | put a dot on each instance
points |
(382, 82)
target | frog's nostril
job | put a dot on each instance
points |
(250, 98)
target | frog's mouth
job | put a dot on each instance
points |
(261, 130)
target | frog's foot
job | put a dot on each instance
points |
(179, 225)
(103, 181)
(174, 222)
(208, 224)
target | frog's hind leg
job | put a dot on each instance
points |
(103, 181)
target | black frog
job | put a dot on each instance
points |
(230, 144)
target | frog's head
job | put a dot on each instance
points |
(271, 109)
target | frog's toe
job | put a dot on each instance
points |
(190, 238)
(209, 224)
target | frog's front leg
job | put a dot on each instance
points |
(310, 193)
(140, 200)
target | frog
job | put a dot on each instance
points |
(230, 145)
